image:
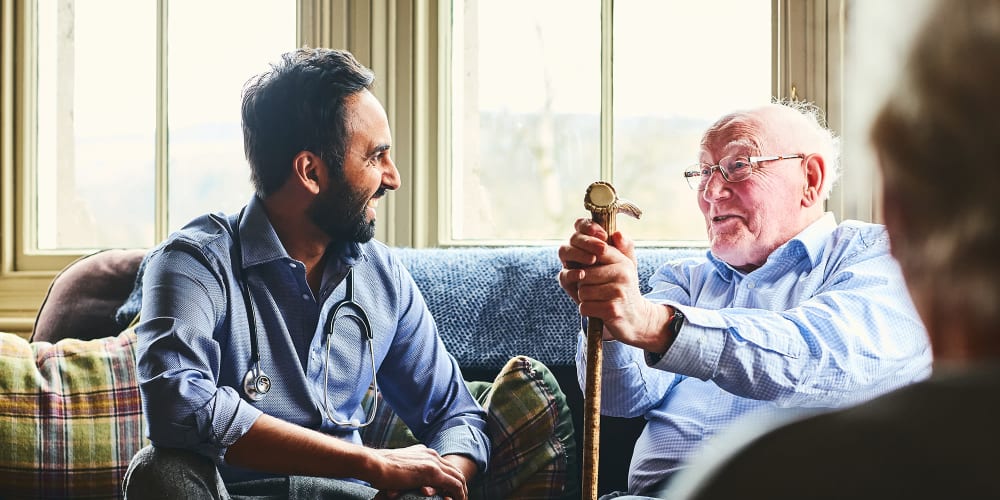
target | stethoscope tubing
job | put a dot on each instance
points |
(256, 384)
(359, 316)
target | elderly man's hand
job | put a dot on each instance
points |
(603, 279)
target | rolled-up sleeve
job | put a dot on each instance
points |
(178, 359)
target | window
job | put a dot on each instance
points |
(95, 112)
(120, 160)
(534, 120)
(111, 144)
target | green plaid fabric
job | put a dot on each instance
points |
(529, 422)
(70, 417)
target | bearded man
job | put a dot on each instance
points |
(262, 331)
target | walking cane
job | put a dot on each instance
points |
(603, 203)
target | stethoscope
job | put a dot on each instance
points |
(256, 383)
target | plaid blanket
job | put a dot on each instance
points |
(70, 417)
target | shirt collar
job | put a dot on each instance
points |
(814, 238)
(257, 236)
(811, 240)
(260, 242)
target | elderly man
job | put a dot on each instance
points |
(788, 309)
(935, 138)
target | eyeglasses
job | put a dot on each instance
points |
(732, 168)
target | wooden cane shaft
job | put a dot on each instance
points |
(592, 397)
(592, 409)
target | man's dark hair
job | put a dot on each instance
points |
(299, 106)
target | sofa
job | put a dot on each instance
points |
(490, 304)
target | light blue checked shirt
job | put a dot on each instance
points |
(194, 344)
(825, 322)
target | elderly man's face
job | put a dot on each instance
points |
(748, 220)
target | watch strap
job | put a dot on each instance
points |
(674, 327)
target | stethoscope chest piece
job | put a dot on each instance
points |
(256, 384)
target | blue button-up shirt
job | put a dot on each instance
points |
(825, 322)
(194, 346)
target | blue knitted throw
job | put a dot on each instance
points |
(494, 303)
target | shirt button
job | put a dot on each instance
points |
(305, 296)
(291, 265)
(749, 285)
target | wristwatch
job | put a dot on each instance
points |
(674, 327)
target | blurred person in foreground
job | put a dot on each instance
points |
(788, 309)
(936, 139)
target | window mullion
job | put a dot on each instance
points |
(161, 163)
(26, 71)
(607, 90)
(65, 153)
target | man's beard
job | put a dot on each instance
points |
(340, 213)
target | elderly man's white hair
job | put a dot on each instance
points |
(829, 142)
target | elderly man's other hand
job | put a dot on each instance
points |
(603, 280)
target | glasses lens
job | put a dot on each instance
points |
(737, 168)
(695, 178)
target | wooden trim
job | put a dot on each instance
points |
(161, 185)
(607, 138)
(444, 93)
(7, 86)
(21, 292)
(18, 326)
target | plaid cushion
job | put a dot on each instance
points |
(529, 422)
(70, 416)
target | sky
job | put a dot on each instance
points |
(666, 61)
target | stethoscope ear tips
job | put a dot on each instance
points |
(256, 384)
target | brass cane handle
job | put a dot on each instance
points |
(603, 203)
